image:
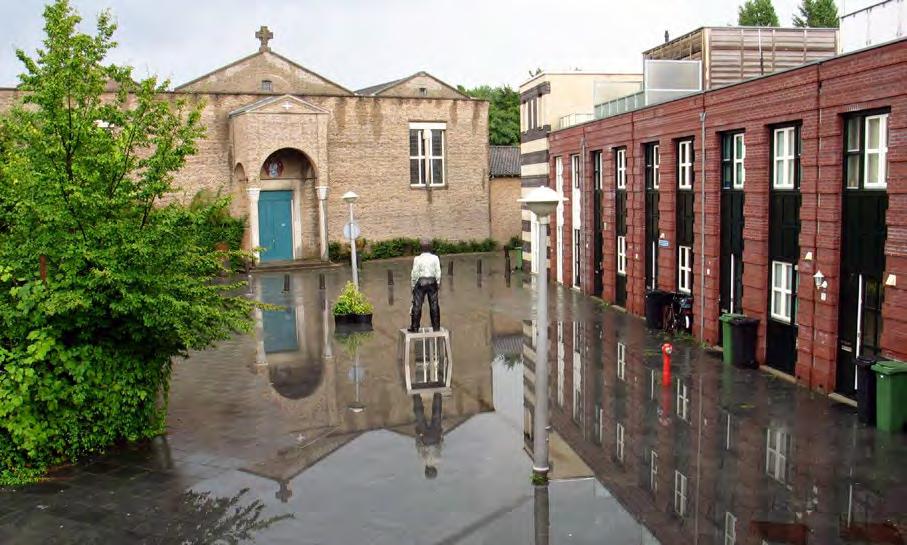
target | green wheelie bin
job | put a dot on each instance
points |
(891, 395)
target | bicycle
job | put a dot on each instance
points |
(678, 316)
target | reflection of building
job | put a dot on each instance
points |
(337, 388)
(707, 460)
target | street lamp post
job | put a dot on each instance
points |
(349, 197)
(541, 201)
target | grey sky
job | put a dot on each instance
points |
(362, 42)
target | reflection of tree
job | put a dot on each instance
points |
(197, 518)
(202, 518)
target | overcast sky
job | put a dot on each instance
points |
(362, 42)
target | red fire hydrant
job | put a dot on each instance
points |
(666, 364)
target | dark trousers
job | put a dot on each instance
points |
(425, 286)
(430, 433)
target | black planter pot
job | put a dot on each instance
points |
(353, 322)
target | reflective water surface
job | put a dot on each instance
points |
(297, 435)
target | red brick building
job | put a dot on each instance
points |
(749, 191)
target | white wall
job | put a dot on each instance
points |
(873, 25)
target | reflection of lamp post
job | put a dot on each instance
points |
(349, 197)
(541, 201)
(356, 406)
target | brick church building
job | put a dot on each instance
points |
(286, 143)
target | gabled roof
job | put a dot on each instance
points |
(255, 55)
(503, 161)
(383, 88)
(259, 104)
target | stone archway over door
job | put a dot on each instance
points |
(282, 141)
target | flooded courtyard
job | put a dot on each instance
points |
(295, 435)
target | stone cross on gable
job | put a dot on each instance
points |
(264, 35)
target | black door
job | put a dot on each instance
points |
(652, 216)
(784, 250)
(733, 176)
(598, 235)
(862, 263)
(620, 205)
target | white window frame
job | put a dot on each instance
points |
(680, 493)
(622, 168)
(682, 405)
(622, 255)
(685, 269)
(621, 361)
(777, 444)
(425, 155)
(619, 442)
(685, 164)
(881, 151)
(730, 528)
(739, 144)
(653, 471)
(782, 290)
(784, 159)
(575, 171)
(656, 164)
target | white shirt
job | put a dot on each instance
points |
(426, 265)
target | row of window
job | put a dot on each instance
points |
(866, 153)
(866, 149)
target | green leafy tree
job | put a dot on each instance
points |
(85, 353)
(817, 14)
(757, 13)
(503, 113)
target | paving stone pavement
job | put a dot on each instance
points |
(295, 435)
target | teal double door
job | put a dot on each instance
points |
(275, 225)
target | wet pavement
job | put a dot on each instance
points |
(295, 435)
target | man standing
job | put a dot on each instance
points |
(425, 279)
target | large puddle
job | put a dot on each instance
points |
(296, 435)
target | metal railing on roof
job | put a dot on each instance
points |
(573, 119)
(620, 105)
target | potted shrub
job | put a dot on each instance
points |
(352, 310)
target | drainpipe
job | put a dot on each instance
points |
(812, 352)
(702, 215)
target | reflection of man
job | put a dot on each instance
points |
(429, 435)
(425, 279)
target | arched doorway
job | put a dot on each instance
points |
(287, 207)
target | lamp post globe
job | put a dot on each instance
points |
(541, 201)
(350, 197)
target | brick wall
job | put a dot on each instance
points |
(505, 210)
(367, 152)
(816, 96)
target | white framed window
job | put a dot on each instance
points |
(875, 154)
(685, 164)
(680, 493)
(784, 151)
(621, 159)
(738, 173)
(656, 163)
(427, 148)
(685, 269)
(575, 174)
(782, 291)
(619, 442)
(621, 255)
(653, 471)
(777, 447)
(621, 361)
(682, 405)
(730, 528)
